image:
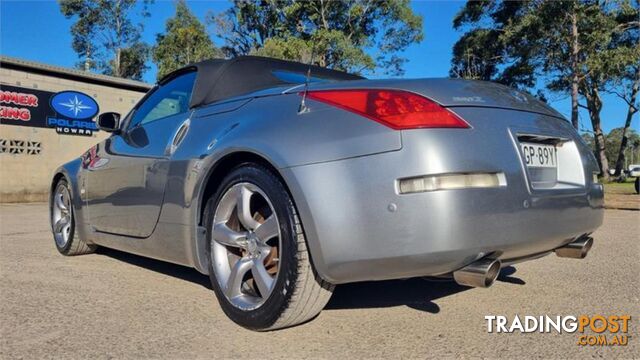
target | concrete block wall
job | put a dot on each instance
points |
(25, 177)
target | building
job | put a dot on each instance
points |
(47, 117)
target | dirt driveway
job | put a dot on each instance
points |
(112, 304)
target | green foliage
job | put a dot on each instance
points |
(132, 62)
(483, 52)
(597, 27)
(624, 60)
(355, 36)
(581, 48)
(105, 38)
(589, 140)
(184, 42)
(613, 140)
(82, 31)
(621, 56)
(513, 42)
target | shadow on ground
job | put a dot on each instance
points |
(416, 293)
(162, 267)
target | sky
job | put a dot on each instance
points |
(37, 31)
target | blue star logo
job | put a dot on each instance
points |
(75, 106)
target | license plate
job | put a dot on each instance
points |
(538, 155)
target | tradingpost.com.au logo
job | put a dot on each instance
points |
(596, 330)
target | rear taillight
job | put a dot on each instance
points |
(396, 109)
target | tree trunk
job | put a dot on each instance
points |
(627, 124)
(575, 49)
(87, 59)
(594, 104)
(117, 69)
(601, 156)
(116, 63)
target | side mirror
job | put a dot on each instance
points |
(109, 122)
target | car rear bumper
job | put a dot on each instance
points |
(359, 227)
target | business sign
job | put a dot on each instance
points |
(68, 112)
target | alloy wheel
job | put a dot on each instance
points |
(62, 216)
(246, 245)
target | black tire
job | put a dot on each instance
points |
(299, 294)
(74, 245)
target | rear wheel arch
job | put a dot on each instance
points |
(213, 180)
(69, 172)
(222, 167)
(59, 175)
(52, 187)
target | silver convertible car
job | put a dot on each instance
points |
(280, 180)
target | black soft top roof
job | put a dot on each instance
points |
(219, 79)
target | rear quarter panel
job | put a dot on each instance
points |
(271, 128)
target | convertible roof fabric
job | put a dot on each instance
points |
(219, 79)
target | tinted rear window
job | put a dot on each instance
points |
(292, 77)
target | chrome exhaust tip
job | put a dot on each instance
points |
(481, 273)
(577, 249)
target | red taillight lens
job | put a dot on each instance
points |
(396, 109)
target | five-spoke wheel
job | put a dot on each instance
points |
(62, 215)
(63, 223)
(246, 240)
(259, 265)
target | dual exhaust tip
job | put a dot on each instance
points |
(481, 273)
(484, 272)
(577, 249)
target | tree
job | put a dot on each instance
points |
(482, 52)
(354, 36)
(569, 43)
(615, 138)
(516, 41)
(105, 38)
(184, 42)
(605, 60)
(82, 31)
(131, 62)
(631, 98)
(588, 139)
(625, 60)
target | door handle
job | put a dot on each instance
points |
(178, 137)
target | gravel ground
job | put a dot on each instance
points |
(115, 305)
(621, 196)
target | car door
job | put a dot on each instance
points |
(126, 178)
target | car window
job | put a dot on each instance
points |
(169, 99)
(295, 78)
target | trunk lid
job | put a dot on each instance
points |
(450, 93)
